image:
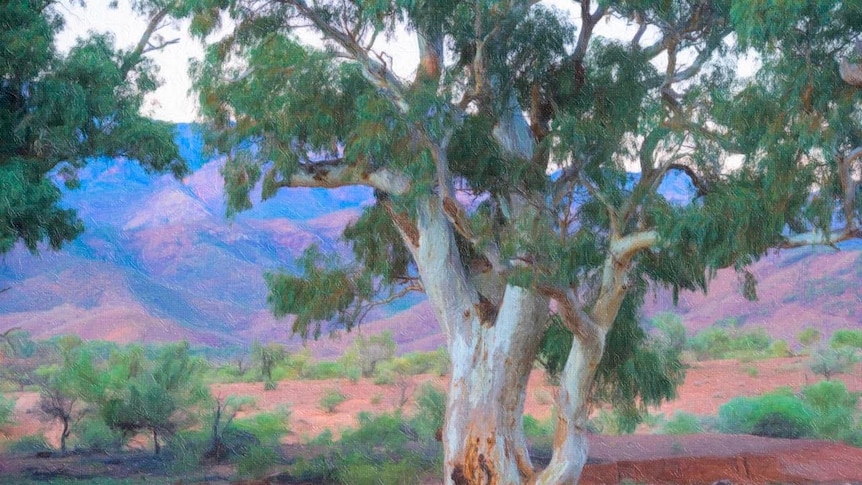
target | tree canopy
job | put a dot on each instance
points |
(59, 110)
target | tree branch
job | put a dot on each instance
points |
(818, 237)
(144, 46)
(332, 174)
(573, 316)
(622, 249)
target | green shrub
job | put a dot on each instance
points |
(377, 453)
(776, 412)
(612, 423)
(809, 336)
(383, 449)
(385, 376)
(682, 423)
(846, 338)
(778, 425)
(267, 427)
(353, 373)
(323, 371)
(30, 444)
(95, 436)
(711, 343)
(780, 348)
(727, 342)
(835, 409)
(540, 435)
(671, 330)
(7, 406)
(324, 439)
(390, 473)
(330, 400)
(430, 411)
(257, 461)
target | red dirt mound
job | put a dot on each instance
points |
(706, 459)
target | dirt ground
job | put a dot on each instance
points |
(642, 458)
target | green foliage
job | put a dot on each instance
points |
(376, 453)
(779, 414)
(823, 410)
(613, 422)
(636, 370)
(323, 371)
(325, 290)
(330, 400)
(682, 423)
(435, 362)
(96, 436)
(63, 388)
(267, 427)
(430, 411)
(57, 111)
(835, 408)
(7, 406)
(160, 396)
(257, 462)
(846, 338)
(717, 342)
(34, 443)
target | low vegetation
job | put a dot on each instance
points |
(384, 449)
(103, 395)
(823, 410)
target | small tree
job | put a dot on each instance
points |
(830, 362)
(160, 397)
(368, 352)
(267, 357)
(223, 439)
(65, 388)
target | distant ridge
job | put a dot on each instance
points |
(159, 262)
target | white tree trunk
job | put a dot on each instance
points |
(492, 346)
(570, 440)
(484, 441)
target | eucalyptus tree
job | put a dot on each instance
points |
(501, 174)
(57, 110)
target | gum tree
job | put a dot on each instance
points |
(501, 169)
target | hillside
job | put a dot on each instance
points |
(159, 261)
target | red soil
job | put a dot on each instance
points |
(642, 458)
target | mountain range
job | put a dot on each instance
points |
(160, 261)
